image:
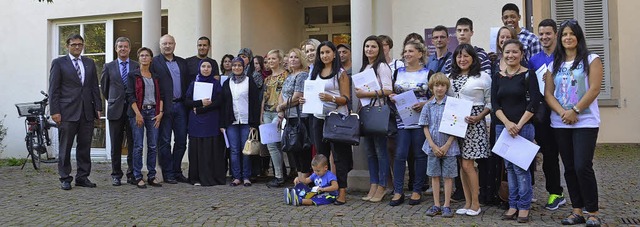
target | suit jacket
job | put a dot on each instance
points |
(159, 68)
(113, 89)
(68, 96)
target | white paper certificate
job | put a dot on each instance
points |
(269, 133)
(517, 150)
(202, 90)
(312, 90)
(367, 81)
(453, 122)
(404, 102)
(540, 74)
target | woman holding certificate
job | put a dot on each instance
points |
(514, 97)
(206, 152)
(376, 145)
(336, 95)
(468, 82)
(414, 77)
(575, 117)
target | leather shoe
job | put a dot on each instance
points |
(170, 181)
(413, 202)
(85, 183)
(65, 185)
(116, 182)
(398, 201)
(152, 182)
(131, 181)
(182, 179)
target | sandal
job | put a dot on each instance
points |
(143, 185)
(573, 219)
(247, 183)
(234, 183)
(595, 222)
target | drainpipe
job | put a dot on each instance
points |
(528, 14)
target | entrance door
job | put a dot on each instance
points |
(328, 20)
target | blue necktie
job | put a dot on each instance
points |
(75, 64)
(124, 73)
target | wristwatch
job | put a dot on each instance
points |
(333, 98)
(575, 109)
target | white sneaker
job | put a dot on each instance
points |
(471, 212)
(197, 184)
(462, 211)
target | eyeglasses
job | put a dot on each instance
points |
(569, 21)
(76, 45)
(439, 37)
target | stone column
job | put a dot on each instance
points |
(226, 24)
(151, 24)
(382, 22)
(361, 27)
(203, 18)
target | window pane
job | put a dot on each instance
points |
(99, 134)
(94, 38)
(342, 38)
(320, 38)
(63, 33)
(341, 14)
(316, 15)
(100, 60)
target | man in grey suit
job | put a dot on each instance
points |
(113, 83)
(74, 105)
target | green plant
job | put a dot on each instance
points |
(3, 133)
(12, 161)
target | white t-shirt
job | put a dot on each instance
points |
(570, 87)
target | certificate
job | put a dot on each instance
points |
(226, 139)
(540, 75)
(455, 110)
(269, 133)
(367, 81)
(516, 150)
(312, 90)
(202, 90)
(404, 104)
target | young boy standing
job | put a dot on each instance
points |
(441, 148)
(325, 190)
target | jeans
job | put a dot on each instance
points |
(175, 121)
(520, 189)
(409, 140)
(138, 139)
(576, 149)
(377, 159)
(274, 148)
(237, 135)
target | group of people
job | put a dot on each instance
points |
(156, 96)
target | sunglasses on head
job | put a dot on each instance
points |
(569, 21)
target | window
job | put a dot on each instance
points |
(593, 16)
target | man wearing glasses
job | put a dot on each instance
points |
(439, 39)
(74, 105)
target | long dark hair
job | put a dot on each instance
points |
(379, 59)
(582, 52)
(318, 65)
(222, 62)
(474, 69)
(252, 67)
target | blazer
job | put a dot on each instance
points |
(227, 118)
(68, 96)
(159, 68)
(113, 89)
(136, 90)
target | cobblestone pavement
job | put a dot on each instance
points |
(30, 198)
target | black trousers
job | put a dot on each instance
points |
(118, 130)
(301, 160)
(342, 157)
(577, 147)
(550, 161)
(69, 130)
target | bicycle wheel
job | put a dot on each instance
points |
(35, 155)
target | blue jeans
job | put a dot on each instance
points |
(138, 139)
(377, 158)
(520, 189)
(175, 121)
(237, 135)
(409, 140)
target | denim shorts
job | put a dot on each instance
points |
(446, 166)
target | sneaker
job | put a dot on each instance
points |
(433, 211)
(555, 201)
(294, 196)
(447, 212)
(462, 211)
(197, 184)
(287, 196)
(276, 183)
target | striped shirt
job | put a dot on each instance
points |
(431, 116)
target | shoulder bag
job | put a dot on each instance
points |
(342, 128)
(295, 136)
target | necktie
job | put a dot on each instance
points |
(124, 73)
(75, 64)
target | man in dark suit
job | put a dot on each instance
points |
(174, 80)
(74, 105)
(203, 45)
(113, 83)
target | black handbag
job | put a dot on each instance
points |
(372, 117)
(342, 128)
(295, 135)
(542, 111)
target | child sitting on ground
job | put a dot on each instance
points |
(441, 148)
(325, 190)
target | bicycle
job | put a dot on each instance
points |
(37, 127)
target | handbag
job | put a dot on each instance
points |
(295, 135)
(503, 191)
(342, 128)
(542, 111)
(371, 115)
(252, 145)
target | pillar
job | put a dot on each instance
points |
(226, 24)
(203, 18)
(151, 24)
